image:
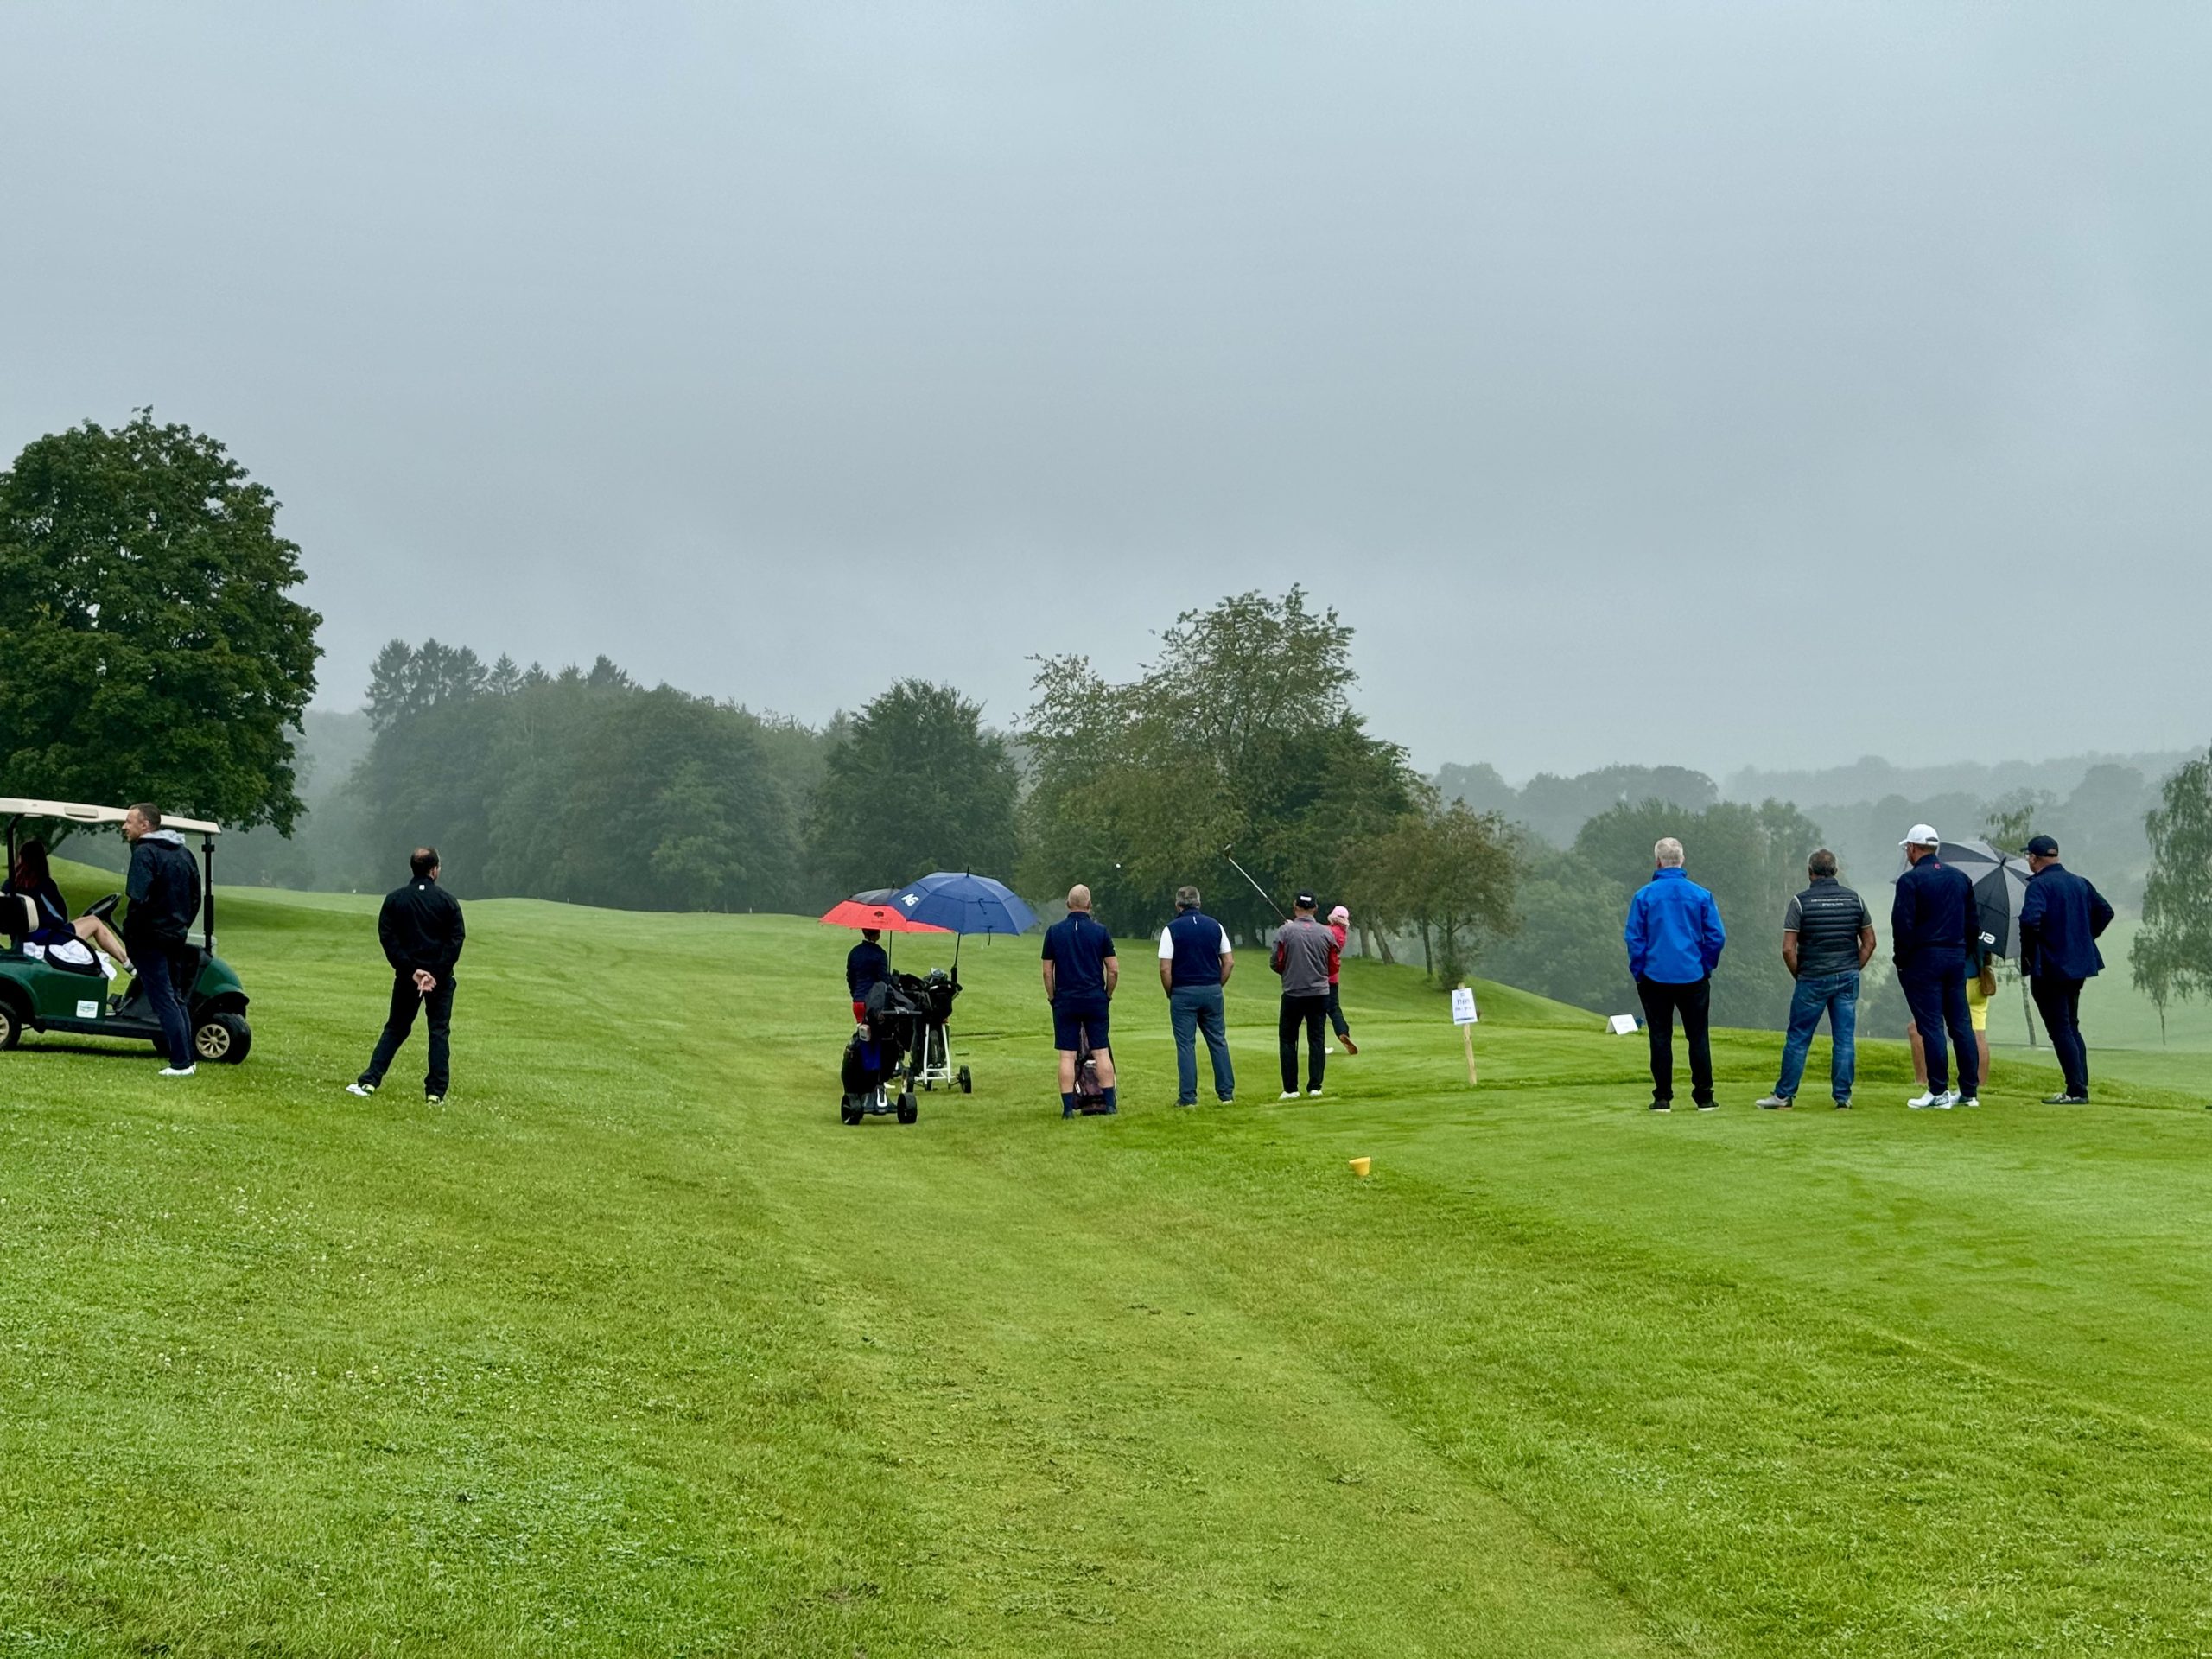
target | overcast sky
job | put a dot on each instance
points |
(1766, 384)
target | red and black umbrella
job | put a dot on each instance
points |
(874, 909)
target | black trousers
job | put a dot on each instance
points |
(1313, 1012)
(438, 1007)
(1337, 1014)
(1661, 1002)
(2059, 1000)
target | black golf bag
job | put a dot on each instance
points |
(877, 1059)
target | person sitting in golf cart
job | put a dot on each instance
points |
(42, 917)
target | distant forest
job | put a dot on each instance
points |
(582, 785)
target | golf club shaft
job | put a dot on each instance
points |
(1256, 887)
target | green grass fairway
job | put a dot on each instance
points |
(631, 1348)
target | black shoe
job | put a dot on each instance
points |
(1187, 1102)
(1709, 1105)
(1663, 1105)
(2065, 1099)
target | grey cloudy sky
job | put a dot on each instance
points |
(1643, 381)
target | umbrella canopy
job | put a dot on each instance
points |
(2000, 884)
(875, 909)
(961, 903)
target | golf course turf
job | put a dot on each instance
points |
(631, 1347)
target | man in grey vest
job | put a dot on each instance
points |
(1827, 935)
(1304, 955)
(1195, 964)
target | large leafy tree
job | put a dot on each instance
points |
(1239, 734)
(916, 785)
(151, 647)
(1445, 872)
(2172, 953)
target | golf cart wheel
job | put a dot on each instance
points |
(908, 1111)
(967, 1081)
(222, 1039)
(11, 1026)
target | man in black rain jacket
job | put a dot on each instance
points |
(420, 930)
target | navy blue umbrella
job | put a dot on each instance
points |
(961, 903)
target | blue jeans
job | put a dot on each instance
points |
(1837, 996)
(1192, 1009)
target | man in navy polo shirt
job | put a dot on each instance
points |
(1080, 973)
(1195, 964)
(2060, 920)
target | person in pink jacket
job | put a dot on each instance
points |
(1340, 925)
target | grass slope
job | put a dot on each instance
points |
(631, 1348)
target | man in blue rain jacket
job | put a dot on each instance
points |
(1674, 939)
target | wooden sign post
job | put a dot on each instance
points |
(1464, 1016)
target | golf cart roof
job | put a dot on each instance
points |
(77, 812)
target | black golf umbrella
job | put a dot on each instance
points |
(2000, 883)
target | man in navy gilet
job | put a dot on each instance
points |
(1195, 964)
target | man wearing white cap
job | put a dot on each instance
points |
(1933, 925)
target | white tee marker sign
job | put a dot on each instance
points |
(1464, 1016)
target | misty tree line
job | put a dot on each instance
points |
(152, 648)
(1239, 740)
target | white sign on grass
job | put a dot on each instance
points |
(1462, 1005)
(1622, 1024)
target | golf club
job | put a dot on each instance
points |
(1256, 887)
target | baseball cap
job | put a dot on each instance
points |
(1922, 834)
(2041, 847)
(1306, 901)
(1340, 914)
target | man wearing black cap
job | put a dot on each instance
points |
(2060, 920)
(1304, 955)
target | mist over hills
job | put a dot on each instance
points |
(2093, 802)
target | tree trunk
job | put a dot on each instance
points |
(1427, 957)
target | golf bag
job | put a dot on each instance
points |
(873, 1070)
(1090, 1095)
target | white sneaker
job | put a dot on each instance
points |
(1928, 1102)
(1287, 1094)
(177, 1071)
(1313, 1094)
(364, 1089)
(1969, 1100)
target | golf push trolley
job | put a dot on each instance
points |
(901, 1044)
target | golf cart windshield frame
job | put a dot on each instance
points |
(80, 816)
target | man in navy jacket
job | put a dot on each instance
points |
(1933, 920)
(1674, 939)
(2060, 920)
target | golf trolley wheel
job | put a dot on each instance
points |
(967, 1081)
(908, 1111)
(11, 1026)
(221, 1038)
(848, 1113)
